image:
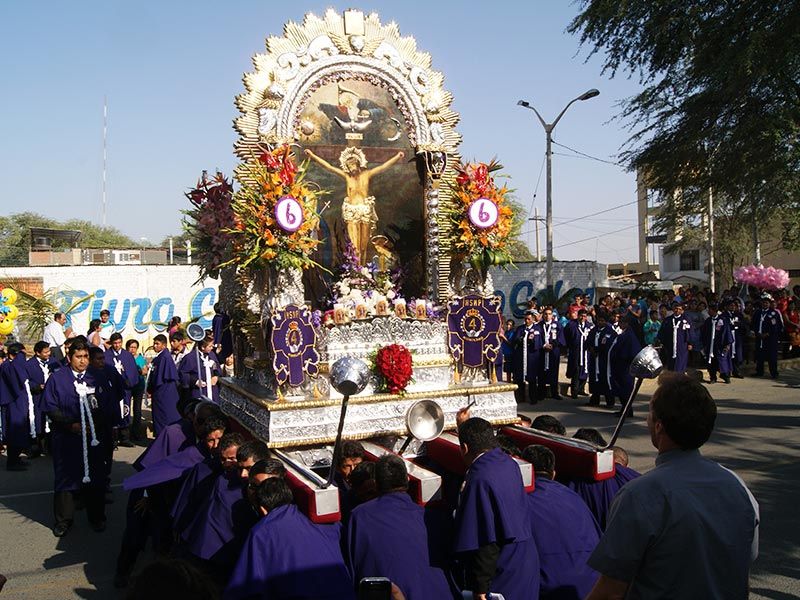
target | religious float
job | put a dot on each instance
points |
(354, 261)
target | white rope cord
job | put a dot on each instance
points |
(207, 362)
(31, 412)
(86, 416)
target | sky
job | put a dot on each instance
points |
(170, 71)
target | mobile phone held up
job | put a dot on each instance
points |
(375, 588)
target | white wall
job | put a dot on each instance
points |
(141, 298)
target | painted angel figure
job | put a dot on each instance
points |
(358, 207)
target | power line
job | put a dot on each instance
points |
(584, 155)
(599, 212)
(598, 236)
(536, 189)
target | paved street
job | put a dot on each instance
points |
(756, 435)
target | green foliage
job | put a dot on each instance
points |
(720, 104)
(15, 236)
(37, 313)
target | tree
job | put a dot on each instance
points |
(15, 236)
(720, 105)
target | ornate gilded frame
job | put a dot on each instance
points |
(354, 46)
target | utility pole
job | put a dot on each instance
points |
(548, 129)
(536, 219)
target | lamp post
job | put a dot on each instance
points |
(548, 129)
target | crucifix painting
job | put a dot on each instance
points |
(354, 134)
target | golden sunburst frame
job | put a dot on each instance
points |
(355, 46)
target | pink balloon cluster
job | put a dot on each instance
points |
(765, 278)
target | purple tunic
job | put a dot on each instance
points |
(189, 374)
(598, 495)
(169, 468)
(163, 386)
(15, 403)
(577, 337)
(194, 489)
(493, 509)
(718, 327)
(675, 329)
(566, 533)
(62, 404)
(172, 439)
(221, 329)
(553, 334)
(221, 522)
(36, 381)
(621, 353)
(532, 337)
(125, 364)
(287, 556)
(388, 537)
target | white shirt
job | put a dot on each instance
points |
(54, 334)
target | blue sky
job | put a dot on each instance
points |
(171, 70)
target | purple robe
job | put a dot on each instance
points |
(62, 404)
(388, 537)
(189, 374)
(15, 402)
(596, 385)
(576, 336)
(552, 333)
(125, 364)
(493, 509)
(221, 522)
(109, 392)
(598, 495)
(531, 337)
(169, 468)
(566, 533)
(163, 387)
(194, 489)
(718, 340)
(221, 330)
(36, 381)
(767, 321)
(288, 556)
(172, 439)
(675, 329)
(621, 353)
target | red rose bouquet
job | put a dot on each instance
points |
(393, 365)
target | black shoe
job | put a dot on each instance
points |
(126, 444)
(726, 378)
(34, 452)
(713, 380)
(593, 401)
(61, 529)
(98, 526)
(17, 466)
(609, 403)
(738, 375)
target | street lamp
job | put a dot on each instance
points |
(548, 129)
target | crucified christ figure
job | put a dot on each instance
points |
(358, 208)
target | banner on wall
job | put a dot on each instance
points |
(141, 299)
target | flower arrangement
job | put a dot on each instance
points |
(392, 365)
(208, 221)
(365, 285)
(759, 276)
(481, 246)
(256, 237)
